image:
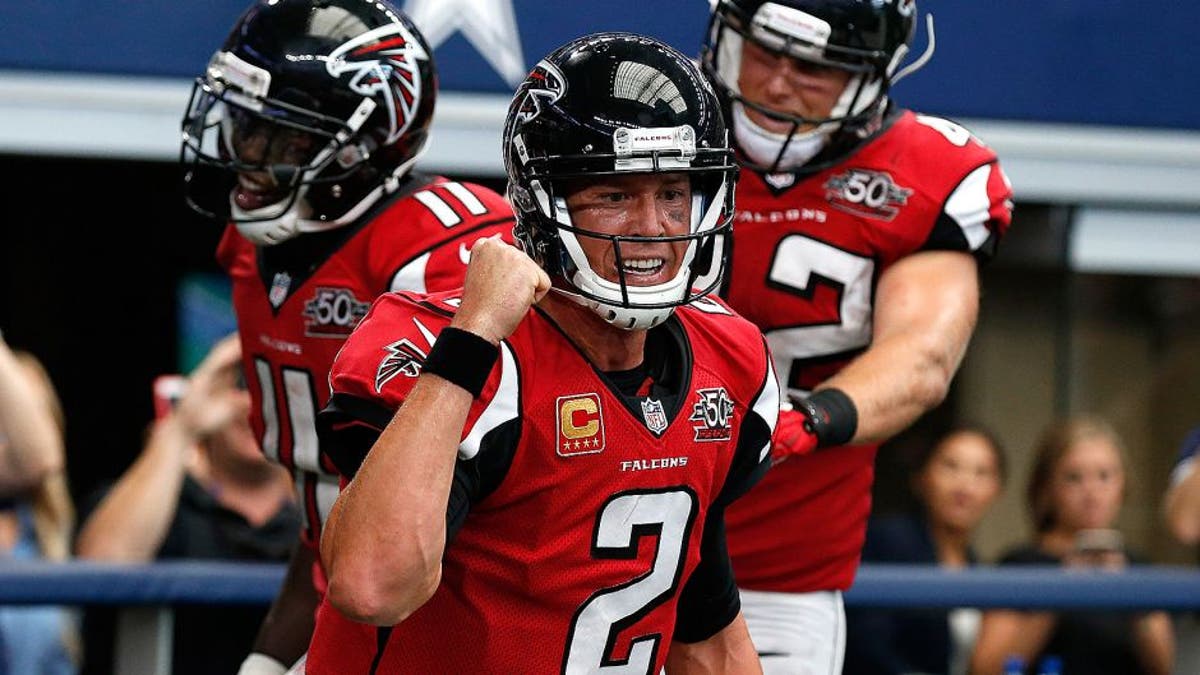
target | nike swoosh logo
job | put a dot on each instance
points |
(464, 254)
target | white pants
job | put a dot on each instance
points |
(797, 633)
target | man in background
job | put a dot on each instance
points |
(302, 135)
(199, 490)
(860, 228)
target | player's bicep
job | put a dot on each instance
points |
(931, 292)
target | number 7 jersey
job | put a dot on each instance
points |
(806, 260)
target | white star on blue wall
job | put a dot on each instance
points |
(489, 25)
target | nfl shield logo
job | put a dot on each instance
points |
(280, 286)
(655, 416)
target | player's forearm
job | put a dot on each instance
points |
(130, 524)
(34, 448)
(729, 652)
(895, 382)
(384, 543)
(925, 312)
(1183, 508)
(288, 626)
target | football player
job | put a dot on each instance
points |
(860, 227)
(302, 134)
(548, 453)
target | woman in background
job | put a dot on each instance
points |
(36, 514)
(1075, 493)
(955, 482)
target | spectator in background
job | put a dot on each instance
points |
(955, 483)
(1075, 493)
(199, 489)
(36, 514)
(1182, 512)
(1182, 503)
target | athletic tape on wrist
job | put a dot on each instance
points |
(261, 664)
(462, 358)
(831, 416)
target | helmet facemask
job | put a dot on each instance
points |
(273, 147)
(698, 255)
(306, 117)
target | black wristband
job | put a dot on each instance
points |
(831, 416)
(462, 358)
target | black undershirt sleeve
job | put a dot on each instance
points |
(478, 477)
(709, 601)
(349, 426)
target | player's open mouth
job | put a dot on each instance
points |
(642, 270)
(251, 194)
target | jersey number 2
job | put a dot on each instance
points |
(801, 265)
(623, 521)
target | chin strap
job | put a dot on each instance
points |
(763, 147)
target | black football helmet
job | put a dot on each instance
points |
(308, 114)
(617, 104)
(867, 38)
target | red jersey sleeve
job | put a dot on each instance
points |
(379, 365)
(977, 208)
(435, 228)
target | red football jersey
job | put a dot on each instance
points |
(590, 508)
(806, 260)
(296, 302)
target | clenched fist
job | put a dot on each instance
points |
(502, 284)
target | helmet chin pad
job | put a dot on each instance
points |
(270, 225)
(625, 318)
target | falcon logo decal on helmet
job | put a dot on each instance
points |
(307, 116)
(378, 60)
(545, 84)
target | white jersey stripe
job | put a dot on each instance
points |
(766, 406)
(469, 200)
(970, 206)
(502, 408)
(439, 207)
(302, 418)
(327, 491)
(411, 277)
(270, 437)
